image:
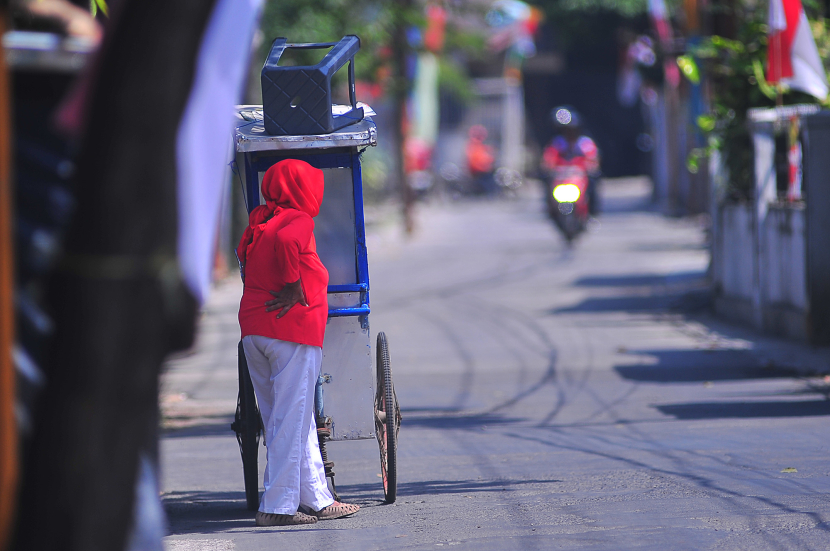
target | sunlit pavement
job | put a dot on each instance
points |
(553, 398)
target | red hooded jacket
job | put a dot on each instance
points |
(277, 248)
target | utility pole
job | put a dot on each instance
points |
(401, 10)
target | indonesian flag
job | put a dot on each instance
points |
(792, 55)
(660, 19)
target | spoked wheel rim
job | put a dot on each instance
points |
(387, 425)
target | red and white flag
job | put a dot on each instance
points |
(662, 25)
(792, 56)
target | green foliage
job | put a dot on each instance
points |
(469, 43)
(736, 70)
(706, 122)
(376, 172)
(731, 65)
(373, 21)
(688, 67)
(453, 78)
(626, 8)
(95, 5)
(821, 33)
(461, 46)
(329, 21)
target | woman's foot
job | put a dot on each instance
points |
(335, 510)
(275, 519)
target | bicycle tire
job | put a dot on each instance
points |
(248, 430)
(387, 420)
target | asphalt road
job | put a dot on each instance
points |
(553, 398)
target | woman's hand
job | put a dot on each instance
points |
(290, 295)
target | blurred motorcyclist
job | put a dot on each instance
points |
(570, 144)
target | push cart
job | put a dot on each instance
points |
(350, 402)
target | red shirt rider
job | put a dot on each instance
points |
(561, 150)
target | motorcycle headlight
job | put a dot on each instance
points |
(566, 193)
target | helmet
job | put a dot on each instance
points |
(565, 116)
(477, 132)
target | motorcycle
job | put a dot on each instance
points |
(567, 197)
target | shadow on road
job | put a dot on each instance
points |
(746, 410)
(204, 425)
(206, 512)
(459, 421)
(682, 291)
(641, 280)
(638, 304)
(215, 512)
(668, 246)
(201, 512)
(697, 366)
(363, 493)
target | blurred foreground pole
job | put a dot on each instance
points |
(8, 424)
(662, 25)
(401, 12)
(117, 298)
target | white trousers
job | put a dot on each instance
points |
(284, 375)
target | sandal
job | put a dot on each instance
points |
(335, 510)
(275, 519)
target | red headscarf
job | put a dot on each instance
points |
(289, 184)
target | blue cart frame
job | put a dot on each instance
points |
(346, 158)
(347, 348)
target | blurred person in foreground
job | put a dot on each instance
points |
(571, 144)
(282, 334)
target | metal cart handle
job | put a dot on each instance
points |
(362, 310)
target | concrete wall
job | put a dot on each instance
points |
(783, 262)
(783, 257)
(762, 281)
(734, 273)
(759, 250)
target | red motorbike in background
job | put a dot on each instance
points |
(572, 159)
(567, 197)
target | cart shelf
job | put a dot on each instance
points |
(252, 136)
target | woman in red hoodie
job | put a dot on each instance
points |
(282, 334)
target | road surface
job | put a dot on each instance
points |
(553, 398)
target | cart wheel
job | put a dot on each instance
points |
(248, 427)
(387, 420)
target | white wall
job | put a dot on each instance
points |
(762, 280)
(783, 259)
(735, 271)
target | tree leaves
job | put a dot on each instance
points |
(95, 5)
(688, 67)
(735, 69)
(329, 21)
(760, 79)
(706, 122)
(626, 8)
